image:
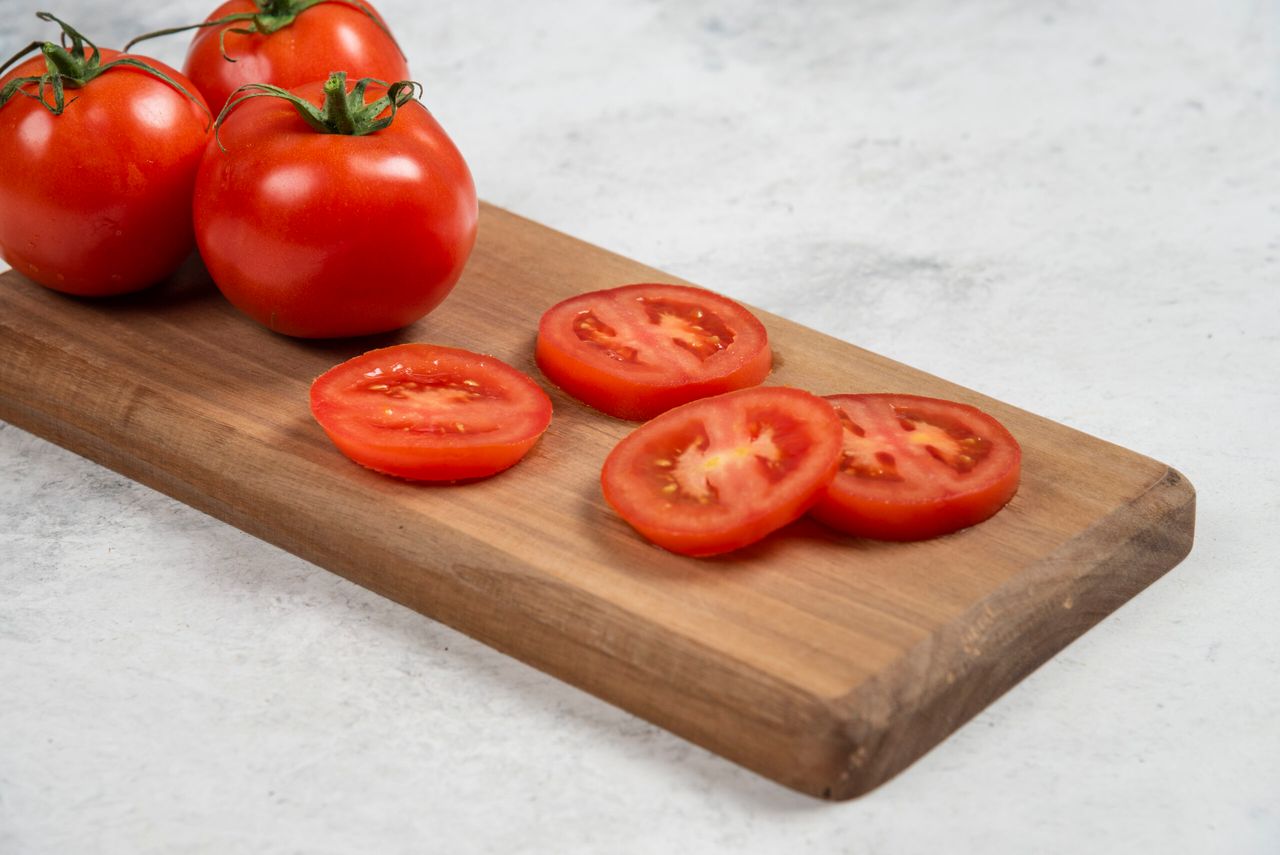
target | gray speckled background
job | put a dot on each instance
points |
(1074, 206)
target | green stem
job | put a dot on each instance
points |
(275, 8)
(62, 63)
(337, 110)
(229, 19)
(73, 67)
(342, 112)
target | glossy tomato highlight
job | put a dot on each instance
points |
(638, 350)
(430, 413)
(722, 472)
(914, 467)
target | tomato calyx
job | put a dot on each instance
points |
(272, 15)
(72, 67)
(342, 112)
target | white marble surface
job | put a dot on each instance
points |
(1073, 206)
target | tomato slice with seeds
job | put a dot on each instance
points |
(723, 472)
(430, 413)
(638, 350)
(913, 467)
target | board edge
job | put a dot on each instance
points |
(893, 719)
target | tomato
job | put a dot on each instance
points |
(430, 413)
(639, 350)
(306, 47)
(722, 472)
(913, 467)
(95, 195)
(328, 234)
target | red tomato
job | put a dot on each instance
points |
(321, 38)
(321, 235)
(913, 468)
(639, 350)
(430, 413)
(723, 472)
(97, 200)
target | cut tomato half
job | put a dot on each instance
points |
(430, 413)
(723, 472)
(639, 350)
(913, 468)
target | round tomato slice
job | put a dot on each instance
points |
(639, 350)
(723, 472)
(913, 467)
(430, 413)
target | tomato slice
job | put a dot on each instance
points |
(722, 472)
(639, 350)
(430, 413)
(913, 468)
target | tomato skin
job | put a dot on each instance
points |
(96, 201)
(321, 39)
(326, 235)
(510, 412)
(918, 511)
(726, 440)
(641, 391)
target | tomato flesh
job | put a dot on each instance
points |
(722, 472)
(914, 467)
(638, 350)
(430, 413)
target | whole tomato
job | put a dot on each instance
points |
(321, 215)
(287, 43)
(99, 158)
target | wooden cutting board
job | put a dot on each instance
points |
(826, 663)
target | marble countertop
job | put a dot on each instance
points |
(1071, 207)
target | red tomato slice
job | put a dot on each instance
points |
(723, 472)
(430, 413)
(913, 467)
(639, 350)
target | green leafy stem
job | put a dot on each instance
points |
(70, 66)
(342, 112)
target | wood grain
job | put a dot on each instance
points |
(826, 663)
